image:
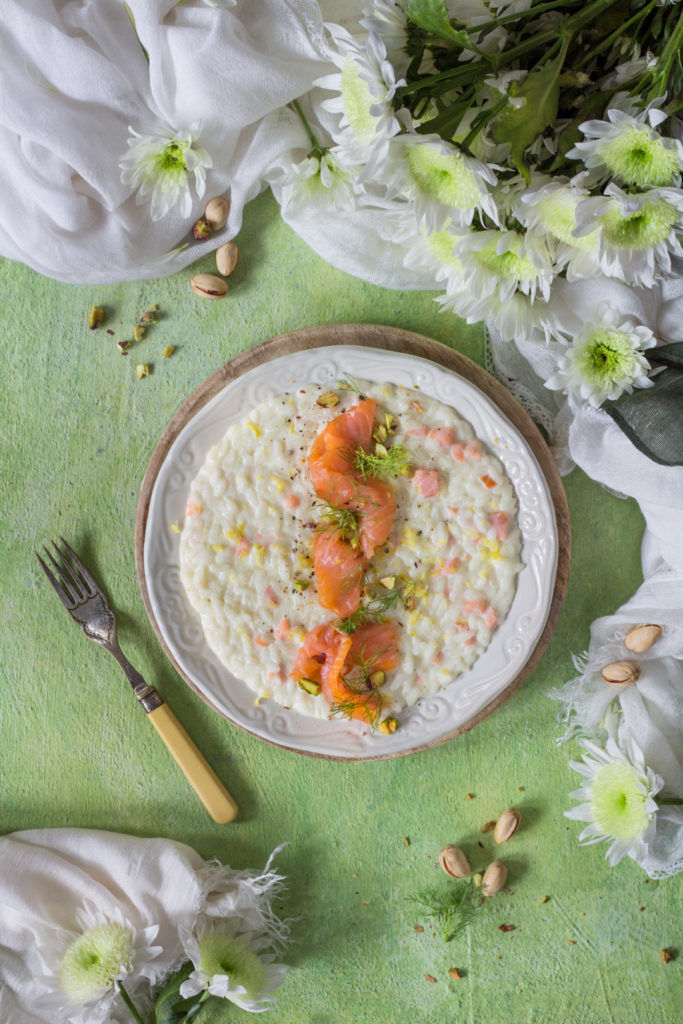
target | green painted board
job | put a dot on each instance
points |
(76, 433)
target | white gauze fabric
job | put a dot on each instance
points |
(47, 875)
(74, 77)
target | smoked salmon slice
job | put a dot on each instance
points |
(329, 459)
(375, 645)
(338, 572)
(376, 508)
(321, 658)
(322, 655)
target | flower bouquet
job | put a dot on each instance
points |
(524, 158)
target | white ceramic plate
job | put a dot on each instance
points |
(432, 719)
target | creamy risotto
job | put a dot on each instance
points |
(246, 544)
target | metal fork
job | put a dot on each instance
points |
(85, 602)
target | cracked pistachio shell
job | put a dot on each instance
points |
(454, 862)
(641, 638)
(621, 673)
(209, 286)
(507, 825)
(494, 878)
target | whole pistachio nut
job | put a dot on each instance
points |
(216, 212)
(227, 258)
(494, 878)
(209, 286)
(202, 229)
(507, 825)
(621, 673)
(454, 862)
(641, 638)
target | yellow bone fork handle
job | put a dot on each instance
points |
(197, 771)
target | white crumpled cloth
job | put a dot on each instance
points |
(47, 874)
(73, 78)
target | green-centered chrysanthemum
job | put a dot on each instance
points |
(441, 245)
(357, 100)
(93, 961)
(221, 954)
(637, 156)
(606, 356)
(506, 264)
(604, 361)
(444, 176)
(160, 167)
(629, 149)
(617, 795)
(557, 214)
(618, 801)
(644, 228)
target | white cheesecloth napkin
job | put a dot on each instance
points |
(47, 875)
(74, 77)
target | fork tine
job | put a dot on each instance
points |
(67, 579)
(88, 578)
(65, 598)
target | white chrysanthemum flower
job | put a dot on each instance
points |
(444, 183)
(618, 799)
(387, 19)
(319, 180)
(548, 209)
(159, 167)
(604, 361)
(424, 250)
(79, 972)
(226, 965)
(366, 85)
(638, 232)
(503, 274)
(629, 149)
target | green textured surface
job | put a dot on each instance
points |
(77, 430)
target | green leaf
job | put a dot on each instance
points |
(520, 125)
(432, 16)
(170, 1007)
(652, 418)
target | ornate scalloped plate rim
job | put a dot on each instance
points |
(431, 721)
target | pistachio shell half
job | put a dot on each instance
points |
(641, 638)
(494, 878)
(454, 862)
(507, 825)
(209, 286)
(621, 673)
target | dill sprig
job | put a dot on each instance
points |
(347, 384)
(450, 909)
(344, 522)
(363, 690)
(375, 609)
(382, 463)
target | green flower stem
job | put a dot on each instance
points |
(669, 55)
(531, 12)
(317, 147)
(605, 43)
(481, 121)
(475, 70)
(572, 25)
(134, 1012)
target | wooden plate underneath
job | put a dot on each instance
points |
(391, 339)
